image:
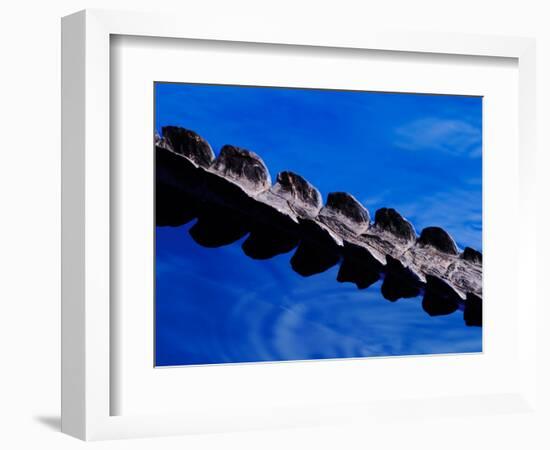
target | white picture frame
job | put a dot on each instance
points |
(86, 246)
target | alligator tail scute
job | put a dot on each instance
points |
(232, 196)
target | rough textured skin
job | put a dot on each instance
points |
(232, 198)
(344, 211)
(438, 238)
(188, 143)
(243, 166)
(388, 219)
(472, 255)
(301, 196)
(348, 206)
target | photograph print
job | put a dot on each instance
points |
(297, 224)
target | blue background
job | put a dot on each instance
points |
(420, 154)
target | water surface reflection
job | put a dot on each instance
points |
(216, 305)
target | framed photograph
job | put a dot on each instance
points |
(266, 228)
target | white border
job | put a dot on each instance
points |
(85, 237)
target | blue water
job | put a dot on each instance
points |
(420, 154)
